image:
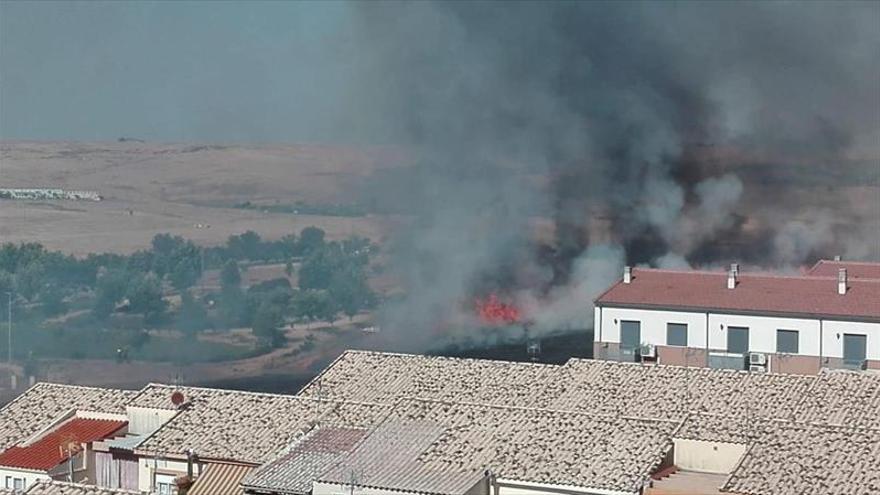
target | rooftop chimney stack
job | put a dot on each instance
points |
(731, 276)
(841, 281)
(627, 274)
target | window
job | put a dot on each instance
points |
(630, 334)
(787, 341)
(18, 484)
(854, 349)
(8, 482)
(165, 484)
(738, 340)
(677, 334)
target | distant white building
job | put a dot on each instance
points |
(828, 317)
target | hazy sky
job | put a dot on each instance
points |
(239, 71)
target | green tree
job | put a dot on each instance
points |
(7, 284)
(230, 276)
(111, 288)
(233, 306)
(317, 270)
(185, 274)
(245, 246)
(165, 244)
(192, 317)
(350, 291)
(52, 298)
(267, 324)
(311, 239)
(313, 305)
(31, 279)
(145, 297)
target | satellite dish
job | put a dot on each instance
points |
(177, 398)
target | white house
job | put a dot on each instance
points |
(762, 322)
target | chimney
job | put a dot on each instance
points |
(627, 274)
(841, 281)
(731, 276)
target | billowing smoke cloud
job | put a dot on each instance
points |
(623, 123)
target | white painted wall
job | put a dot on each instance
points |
(762, 332)
(707, 457)
(833, 347)
(146, 467)
(653, 324)
(815, 337)
(30, 477)
(144, 421)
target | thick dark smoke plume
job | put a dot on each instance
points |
(558, 141)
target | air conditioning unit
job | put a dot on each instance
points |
(757, 368)
(757, 359)
(648, 351)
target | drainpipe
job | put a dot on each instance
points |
(707, 339)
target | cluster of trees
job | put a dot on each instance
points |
(332, 280)
(250, 247)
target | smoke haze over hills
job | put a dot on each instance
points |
(661, 133)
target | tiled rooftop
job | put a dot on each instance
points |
(45, 403)
(605, 387)
(243, 426)
(671, 392)
(61, 488)
(443, 441)
(754, 293)
(854, 269)
(309, 457)
(800, 459)
(840, 397)
(385, 377)
(51, 449)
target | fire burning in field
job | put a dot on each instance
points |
(493, 311)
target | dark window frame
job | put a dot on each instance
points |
(855, 336)
(797, 341)
(625, 345)
(730, 333)
(676, 326)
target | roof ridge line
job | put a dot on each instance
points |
(590, 414)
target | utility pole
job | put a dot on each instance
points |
(9, 324)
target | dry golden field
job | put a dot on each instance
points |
(183, 189)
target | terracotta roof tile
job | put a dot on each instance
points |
(50, 450)
(854, 269)
(45, 403)
(754, 293)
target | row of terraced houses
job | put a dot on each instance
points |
(685, 417)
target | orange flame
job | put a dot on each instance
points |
(495, 312)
